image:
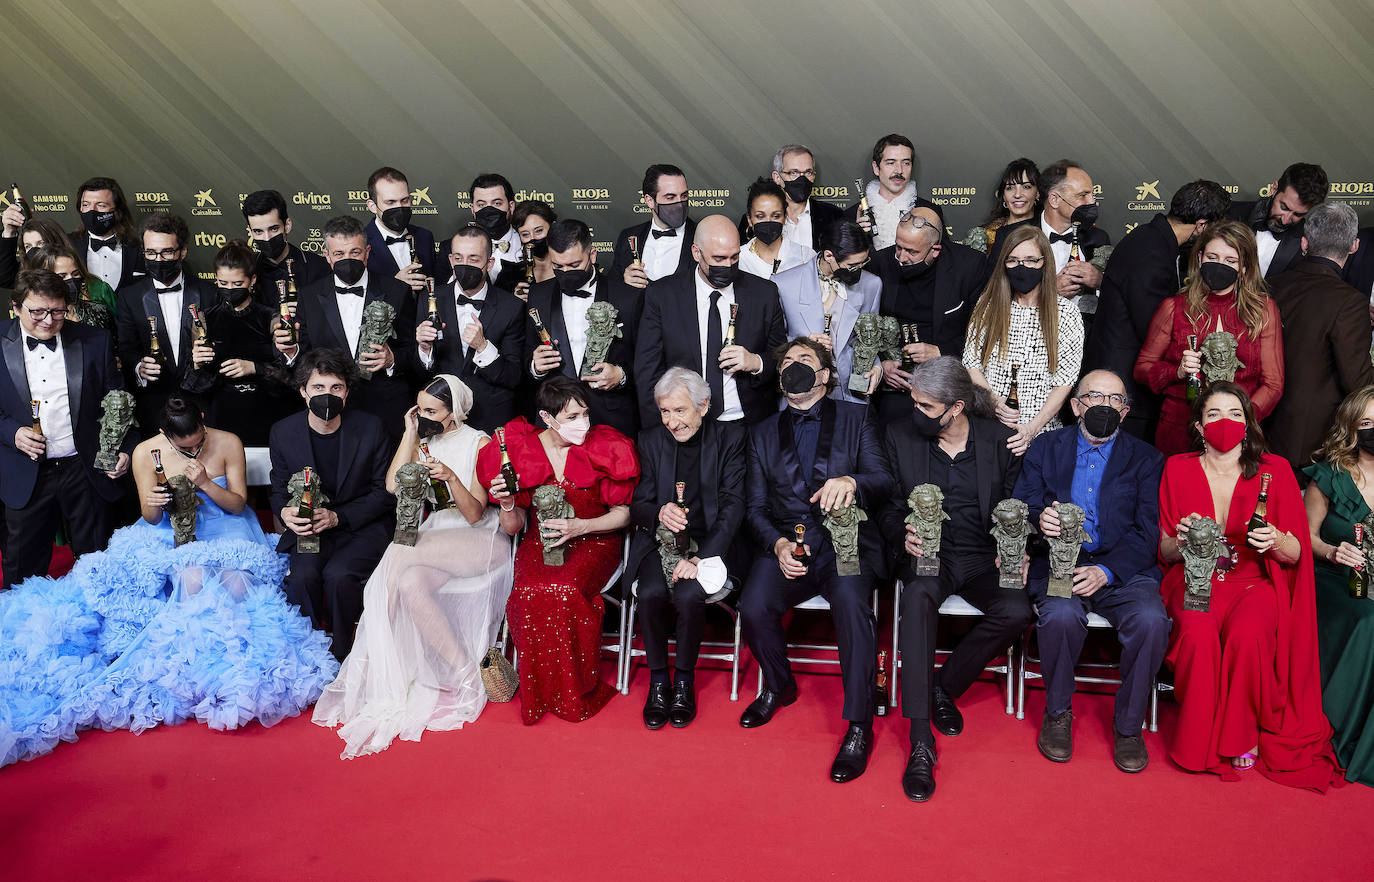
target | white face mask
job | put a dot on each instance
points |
(573, 431)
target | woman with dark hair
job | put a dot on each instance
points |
(1020, 338)
(1016, 199)
(532, 218)
(766, 252)
(1245, 670)
(431, 610)
(1340, 496)
(555, 610)
(92, 302)
(34, 233)
(152, 632)
(1225, 291)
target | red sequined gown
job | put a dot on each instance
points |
(1246, 670)
(555, 612)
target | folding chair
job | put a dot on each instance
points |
(811, 649)
(720, 600)
(956, 607)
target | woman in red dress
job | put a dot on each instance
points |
(1225, 291)
(555, 611)
(1245, 671)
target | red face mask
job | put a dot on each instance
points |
(1224, 434)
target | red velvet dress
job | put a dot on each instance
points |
(1246, 670)
(1157, 364)
(555, 612)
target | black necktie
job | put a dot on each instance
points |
(465, 300)
(97, 244)
(1062, 237)
(356, 290)
(169, 289)
(390, 240)
(659, 234)
(34, 343)
(714, 377)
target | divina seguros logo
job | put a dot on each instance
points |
(313, 201)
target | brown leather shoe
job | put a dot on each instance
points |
(1056, 737)
(1130, 754)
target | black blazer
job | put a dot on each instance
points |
(909, 454)
(823, 214)
(379, 259)
(723, 451)
(89, 357)
(1127, 514)
(960, 276)
(1359, 267)
(1256, 214)
(620, 252)
(308, 268)
(779, 495)
(130, 270)
(493, 387)
(358, 493)
(613, 407)
(670, 335)
(135, 303)
(1095, 238)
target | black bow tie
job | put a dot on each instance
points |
(580, 292)
(168, 289)
(34, 343)
(659, 234)
(802, 416)
(396, 240)
(1062, 237)
(356, 290)
(97, 244)
(465, 300)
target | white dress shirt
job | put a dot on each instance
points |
(107, 263)
(47, 372)
(1061, 252)
(1268, 245)
(730, 406)
(172, 304)
(575, 320)
(399, 250)
(351, 310)
(466, 315)
(514, 253)
(661, 253)
(799, 231)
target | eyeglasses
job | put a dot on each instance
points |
(164, 254)
(1116, 399)
(1032, 262)
(41, 315)
(793, 174)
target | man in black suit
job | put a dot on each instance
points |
(933, 283)
(954, 441)
(1145, 269)
(397, 248)
(816, 456)
(493, 201)
(1277, 218)
(561, 304)
(708, 459)
(269, 223)
(1325, 336)
(350, 452)
(661, 245)
(481, 335)
(107, 239)
(686, 321)
(50, 478)
(330, 315)
(165, 295)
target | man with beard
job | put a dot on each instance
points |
(107, 238)
(1116, 577)
(493, 200)
(278, 259)
(929, 282)
(892, 193)
(662, 245)
(1277, 219)
(391, 237)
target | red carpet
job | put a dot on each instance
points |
(608, 800)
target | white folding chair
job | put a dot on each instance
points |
(956, 607)
(258, 466)
(810, 650)
(732, 656)
(614, 643)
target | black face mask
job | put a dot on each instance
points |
(349, 270)
(1085, 215)
(1364, 439)
(74, 289)
(31, 253)
(1024, 279)
(847, 275)
(928, 426)
(325, 406)
(722, 276)
(428, 428)
(1101, 421)
(163, 271)
(797, 378)
(397, 218)
(98, 223)
(539, 248)
(673, 215)
(493, 220)
(1217, 276)
(269, 248)
(910, 272)
(768, 232)
(798, 189)
(234, 296)
(572, 280)
(468, 277)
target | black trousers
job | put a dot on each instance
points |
(656, 603)
(62, 495)
(1006, 614)
(768, 595)
(329, 585)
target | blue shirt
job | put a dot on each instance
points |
(1090, 464)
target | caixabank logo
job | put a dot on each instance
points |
(1147, 197)
(953, 195)
(590, 198)
(150, 200)
(205, 205)
(313, 201)
(421, 203)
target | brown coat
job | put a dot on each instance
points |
(1326, 337)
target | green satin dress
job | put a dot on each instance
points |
(1345, 631)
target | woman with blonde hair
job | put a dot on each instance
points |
(1019, 336)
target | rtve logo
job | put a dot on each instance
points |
(591, 193)
(1147, 190)
(213, 240)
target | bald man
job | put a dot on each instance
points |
(687, 323)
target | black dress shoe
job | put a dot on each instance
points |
(684, 706)
(762, 709)
(918, 781)
(852, 758)
(945, 716)
(1130, 754)
(656, 706)
(1056, 737)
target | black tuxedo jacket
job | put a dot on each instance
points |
(621, 256)
(1359, 267)
(613, 407)
(960, 275)
(1088, 242)
(670, 335)
(358, 493)
(131, 269)
(723, 452)
(381, 263)
(909, 454)
(493, 387)
(779, 494)
(89, 357)
(308, 268)
(1289, 252)
(823, 214)
(135, 303)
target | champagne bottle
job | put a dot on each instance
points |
(414, 255)
(154, 344)
(507, 468)
(544, 337)
(1013, 397)
(529, 263)
(864, 208)
(200, 335)
(829, 320)
(880, 687)
(162, 483)
(1260, 517)
(1193, 385)
(1074, 252)
(680, 537)
(1358, 583)
(443, 497)
(37, 424)
(907, 363)
(306, 509)
(24, 208)
(432, 316)
(286, 322)
(634, 248)
(289, 293)
(799, 552)
(730, 327)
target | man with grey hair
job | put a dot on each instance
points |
(695, 532)
(1325, 335)
(794, 169)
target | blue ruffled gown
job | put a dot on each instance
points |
(145, 633)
